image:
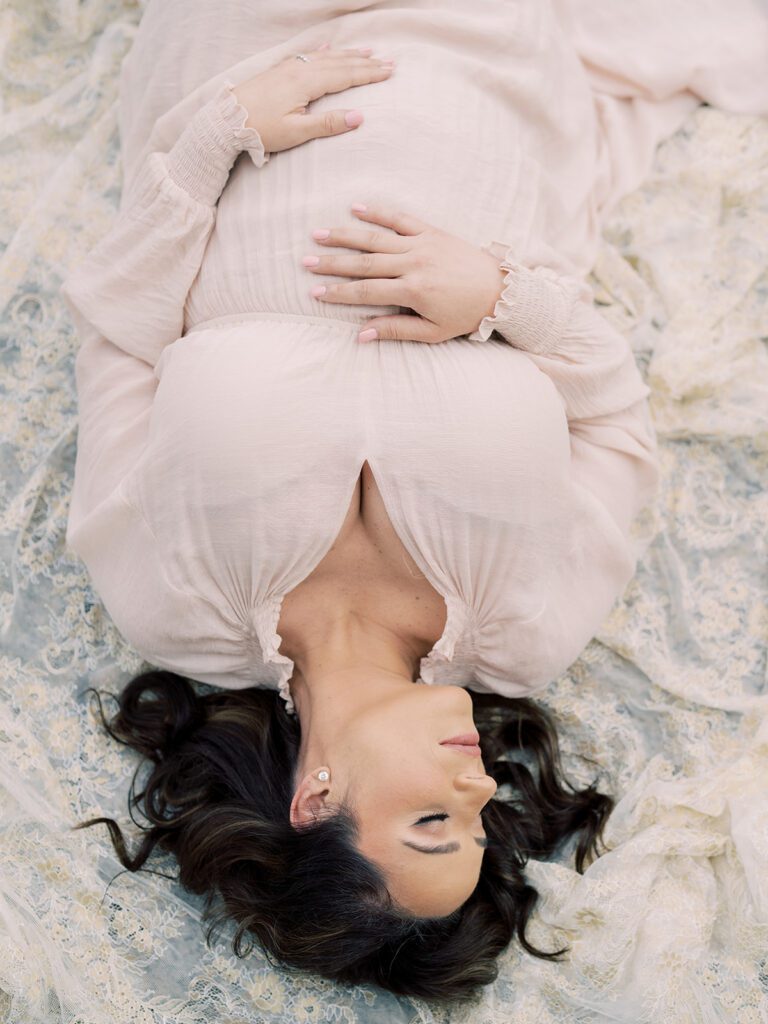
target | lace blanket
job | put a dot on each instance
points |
(669, 698)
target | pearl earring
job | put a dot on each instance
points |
(323, 776)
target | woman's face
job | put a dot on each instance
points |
(394, 772)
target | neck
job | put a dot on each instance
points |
(342, 667)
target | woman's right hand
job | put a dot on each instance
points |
(277, 99)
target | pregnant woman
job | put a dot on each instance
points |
(313, 524)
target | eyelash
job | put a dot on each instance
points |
(431, 817)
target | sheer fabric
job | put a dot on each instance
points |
(512, 466)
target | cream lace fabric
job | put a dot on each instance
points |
(670, 697)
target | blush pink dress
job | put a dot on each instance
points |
(225, 414)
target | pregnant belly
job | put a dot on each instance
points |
(369, 570)
(424, 148)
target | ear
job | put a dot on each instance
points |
(310, 801)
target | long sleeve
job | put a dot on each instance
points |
(133, 284)
(612, 473)
(551, 317)
(126, 297)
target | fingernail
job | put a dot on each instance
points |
(321, 233)
(317, 291)
(353, 118)
(365, 49)
(311, 261)
(368, 335)
(359, 207)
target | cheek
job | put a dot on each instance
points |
(393, 757)
(394, 778)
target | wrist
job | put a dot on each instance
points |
(491, 295)
(533, 308)
(203, 155)
(238, 124)
(501, 277)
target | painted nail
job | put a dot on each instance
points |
(321, 233)
(311, 261)
(353, 118)
(368, 335)
(359, 207)
(318, 290)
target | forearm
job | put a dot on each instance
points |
(551, 318)
(201, 159)
(126, 298)
(132, 286)
(614, 451)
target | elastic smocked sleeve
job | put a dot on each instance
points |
(132, 286)
(126, 299)
(552, 317)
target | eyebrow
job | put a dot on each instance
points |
(445, 848)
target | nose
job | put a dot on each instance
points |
(482, 787)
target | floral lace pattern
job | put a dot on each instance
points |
(669, 698)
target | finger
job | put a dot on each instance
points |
(386, 292)
(398, 220)
(404, 328)
(377, 265)
(317, 126)
(330, 76)
(355, 51)
(367, 240)
(342, 58)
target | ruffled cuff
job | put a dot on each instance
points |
(534, 308)
(203, 155)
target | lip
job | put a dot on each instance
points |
(471, 750)
(467, 739)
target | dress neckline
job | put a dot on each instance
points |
(267, 616)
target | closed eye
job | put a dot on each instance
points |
(446, 848)
(431, 817)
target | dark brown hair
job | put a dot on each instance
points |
(218, 794)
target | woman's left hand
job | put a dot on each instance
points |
(450, 283)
